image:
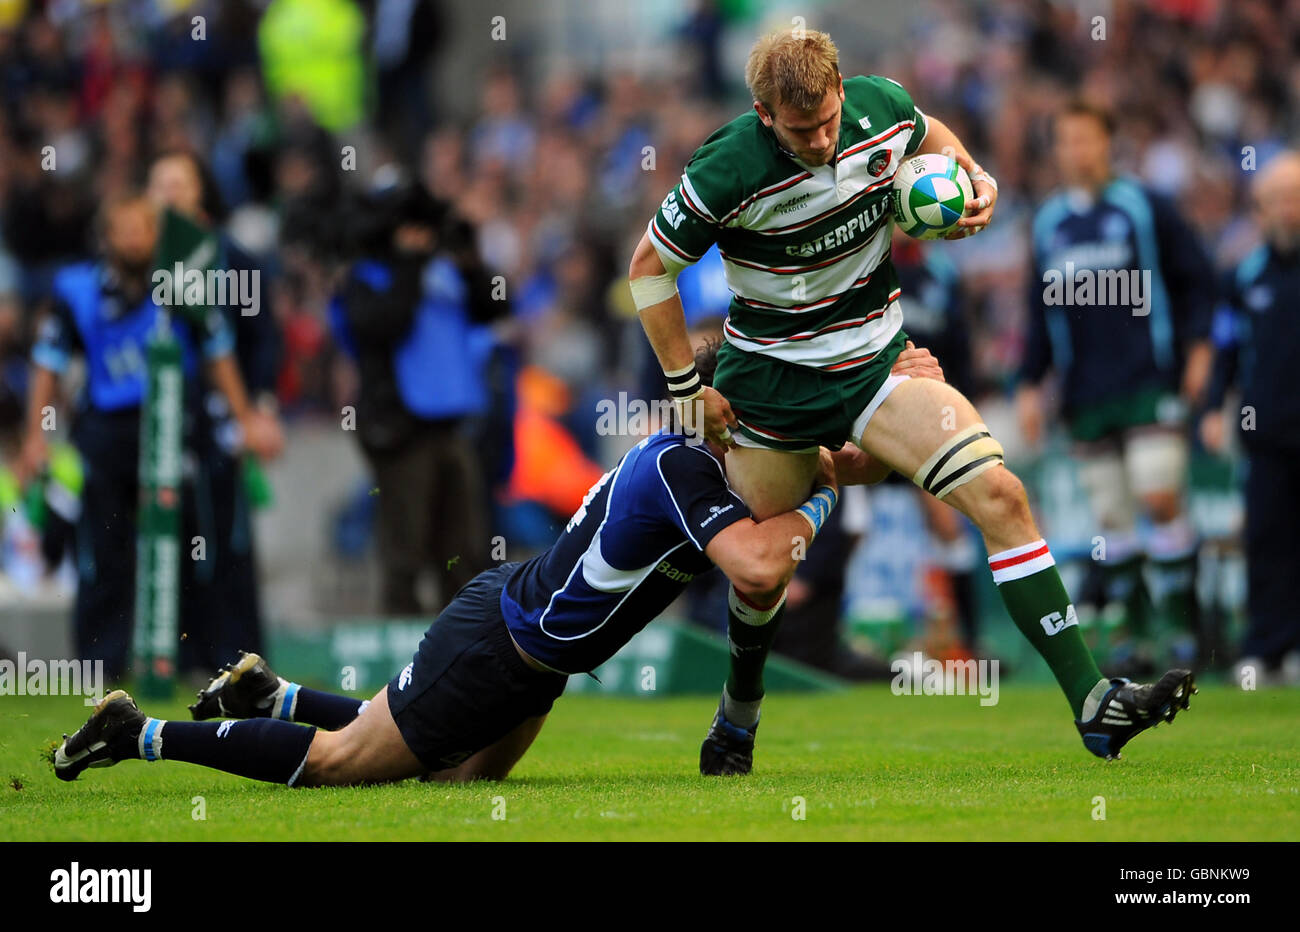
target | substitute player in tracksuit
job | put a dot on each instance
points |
(1257, 343)
(1120, 295)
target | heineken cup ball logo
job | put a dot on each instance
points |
(930, 194)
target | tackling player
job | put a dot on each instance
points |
(490, 665)
(795, 193)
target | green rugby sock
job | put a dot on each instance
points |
(750, 632)
(1036, 599)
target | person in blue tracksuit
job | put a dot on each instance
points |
(105, 311)
(1257, 343)
(1119, 304)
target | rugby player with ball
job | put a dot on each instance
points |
(798, 196)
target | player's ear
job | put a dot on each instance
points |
(841, 87)
(762, 113)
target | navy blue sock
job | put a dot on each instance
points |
(257, 748)
(326, 710)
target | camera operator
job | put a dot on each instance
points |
(410, 312)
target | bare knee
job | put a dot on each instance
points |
(328, 761)
(997, 503)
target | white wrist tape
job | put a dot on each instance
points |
(684, 384)
(979, 174)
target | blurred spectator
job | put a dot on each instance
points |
(551, 474)
(313, 57)
(405, 35)
(1258, 349)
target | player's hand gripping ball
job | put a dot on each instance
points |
(929, 196)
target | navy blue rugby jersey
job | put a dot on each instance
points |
(1106, 350)
(625, 555)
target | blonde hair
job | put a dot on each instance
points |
(795, 68)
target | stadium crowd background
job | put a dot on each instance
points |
(539, 135)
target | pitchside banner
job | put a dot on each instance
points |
(158, 554)
(157, 587)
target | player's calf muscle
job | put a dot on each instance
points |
(326, 766)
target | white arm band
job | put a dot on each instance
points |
(649, 290)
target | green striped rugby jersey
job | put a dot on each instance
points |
(805, 249)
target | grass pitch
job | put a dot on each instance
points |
(857, 765)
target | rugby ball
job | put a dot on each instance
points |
(929, 196)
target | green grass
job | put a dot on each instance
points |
(868, 765)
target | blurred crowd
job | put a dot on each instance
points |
(310, 114)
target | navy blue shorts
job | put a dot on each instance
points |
(467, 686)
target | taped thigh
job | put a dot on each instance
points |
(964, 456)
